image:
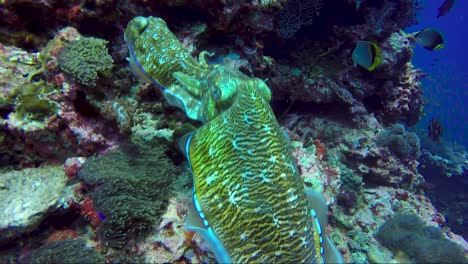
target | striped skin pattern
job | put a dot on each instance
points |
(247, 185)
(157, 56)
(247, 189)
(158, 50)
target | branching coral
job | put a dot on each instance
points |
(84, 58)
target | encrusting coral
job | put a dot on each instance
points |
(341, 140)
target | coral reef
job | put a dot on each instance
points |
(444, 166)
(348, 127)
(357, 149)
(404, 145)
(40, 115)
(296, 13)
(172, 242)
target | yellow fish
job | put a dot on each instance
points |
(430, 39)
(367, 54)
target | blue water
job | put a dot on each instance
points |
(446, 85)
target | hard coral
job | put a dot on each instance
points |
(33, 102)
(173, 242)
(28, 196)
(38, 114)
(84, 58)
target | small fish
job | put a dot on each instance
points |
(445, 7)
(430, 39)
(101, 216)
(435, 129)
(367, 54)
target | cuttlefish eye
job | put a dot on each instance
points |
(135, 28)
(140, 24)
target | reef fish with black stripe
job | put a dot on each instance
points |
(250, 204)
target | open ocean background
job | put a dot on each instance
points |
(446, 84)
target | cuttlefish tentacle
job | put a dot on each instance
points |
(156, 56)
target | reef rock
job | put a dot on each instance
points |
(28, 196)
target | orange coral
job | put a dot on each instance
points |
(87, 210)
(61, 235)
(320, 149)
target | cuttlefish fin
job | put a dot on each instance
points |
(332, 254)
(195, 222)
(327, 249)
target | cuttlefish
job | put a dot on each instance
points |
(249, 201)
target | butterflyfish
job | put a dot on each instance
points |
(367, 54)
(430, 39)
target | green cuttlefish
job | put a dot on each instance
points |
(249, 201)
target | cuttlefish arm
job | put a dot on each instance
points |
(157, 56)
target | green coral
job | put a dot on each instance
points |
(63, 251)
(31, 101)
(423, 244)
(130, 188)
(84, 58)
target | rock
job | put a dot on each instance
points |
(28, 196)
